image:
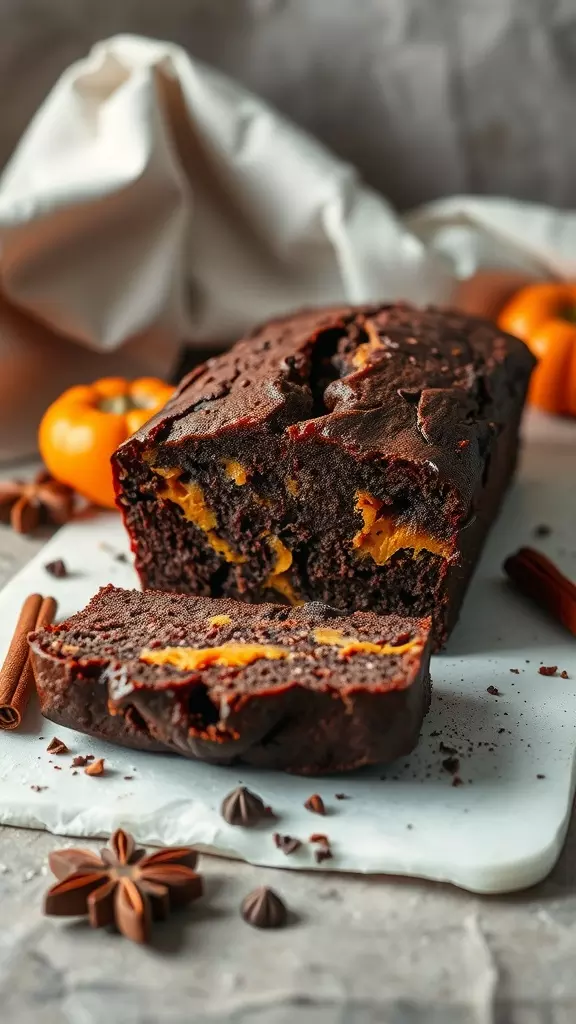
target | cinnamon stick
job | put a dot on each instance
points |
(16, 675)
(539, 579)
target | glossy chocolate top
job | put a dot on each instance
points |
(421, 386)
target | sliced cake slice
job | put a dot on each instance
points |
(309, 689)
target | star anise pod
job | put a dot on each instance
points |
(27, 504)
(123, 886)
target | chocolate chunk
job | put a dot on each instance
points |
(315, 804)
(264, 908)
(57, 746)
(57, 568)
(288, 844)
(243, 807)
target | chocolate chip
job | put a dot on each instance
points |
(243, 807)
(57, 568)
(264, 908)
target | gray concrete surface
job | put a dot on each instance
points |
(359, 951)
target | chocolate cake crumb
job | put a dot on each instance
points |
(79, 761)
(493, 690)
(322, 853)
(451, 764)
(445, 749)
(38, 789)
(287, 844)
(341, 796)
(540, 776)
(516, 671)
(57, 568)
(548, 670)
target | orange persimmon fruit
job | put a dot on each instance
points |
(80, 430)
(544, 316)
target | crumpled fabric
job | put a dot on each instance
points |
(152, 203)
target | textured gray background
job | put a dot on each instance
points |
(428, 97)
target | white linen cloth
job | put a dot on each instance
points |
(152, 202)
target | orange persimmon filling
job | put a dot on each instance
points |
(349, 645)
(188, 659)
(190, 498)
(381, 537)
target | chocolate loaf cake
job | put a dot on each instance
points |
(310, 690)
(354, 456)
